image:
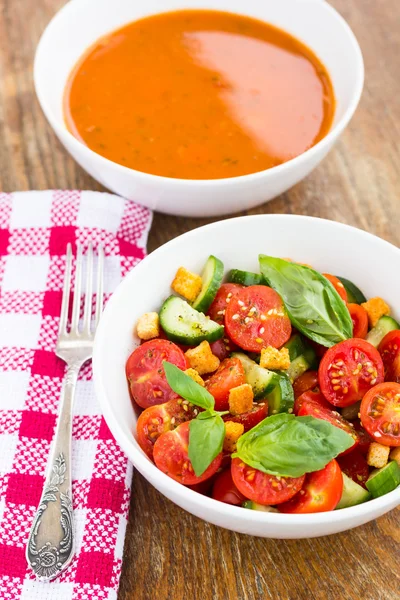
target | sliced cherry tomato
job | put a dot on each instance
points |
(225, 490)
(307, 381)
(348, 370)
(355, 466)
(360, 320)
(263, 488)
(338, 285)
(327, 414)
(145, 372)
(390, 352)
(321, 491)
(224, 295)
(255, 318)
(171, 457)
(158, 419)
(380, 413)
(204, 487)
(251, 418)
(364, 438)
(319, 348)
(229, 374)
(314, 396)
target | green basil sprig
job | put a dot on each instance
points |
(314, 306)
(207, 430)
(290, 446)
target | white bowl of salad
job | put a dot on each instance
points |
(250, 369)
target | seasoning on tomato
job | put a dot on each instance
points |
(389, 349)
(380, 413)
(348, 370)
(250, 418)
(359, 317)
(230, 374)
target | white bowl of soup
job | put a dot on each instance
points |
(198, 107)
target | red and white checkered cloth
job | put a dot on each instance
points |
(35, 228)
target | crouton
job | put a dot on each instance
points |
(377, 455)
(395, 455)
(148, 326)
(193, 374)
(277, 360)
(202, 359)
(233, 431)
(187, 284)
(376, 308)
(241, 399)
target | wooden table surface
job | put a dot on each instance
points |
(170, 555)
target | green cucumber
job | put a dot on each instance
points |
(185, 325)
(212, 276)
(281, 399)
(296, 346)
(254, 506)
(302, 356)
(383, 326)
(261, 380)
(352, 493)
(245, 277)
(384, 480)
(354, 295)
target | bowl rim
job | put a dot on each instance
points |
(323, 144)
(145, 465)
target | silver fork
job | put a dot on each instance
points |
(50, 545)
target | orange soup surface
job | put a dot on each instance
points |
(199, 94)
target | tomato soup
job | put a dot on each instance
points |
(199, 94)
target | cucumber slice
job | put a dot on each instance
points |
(297, 367)
(281, 399)
(384, 480)
(254, 506)
(245, 277)
(296, 346)
(354, 295)
(185, 325)
(302, 356)
(261, 380)
(383, 326)
(212, 276)
(352, 493)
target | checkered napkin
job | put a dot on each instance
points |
(35, 228)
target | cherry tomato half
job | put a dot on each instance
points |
(263, 488)
(338, 285)
(380, 413)
(307, 381)
(327, 414)
(225, 490)
(229, 374)
(359, 317)
(216, 312)
(250, 418)
(145, 372)
(363, 436)
(389, 349)
(355, 466)
(256, 318)
(171, 457)
(313, 396)
(348, 370)
(321, 491)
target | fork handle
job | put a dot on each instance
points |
(51, 540)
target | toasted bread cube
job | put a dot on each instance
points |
(148, 326)
(202, 359)
(395, 455)
(241, 399)
(277, 360)
(377, 455)
(193, 374)
(376, 308)
(233, 431)
(187, 284)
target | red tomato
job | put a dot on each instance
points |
(256, 318)
(307, 381)
(145, 372)
(229, 374)
(221, 349)
(319, 348)
(251, 418)
(364, 438)
(158, 419)
(338, 285)
(313, 396)
(225, 490)
(263, 488)
(348, 370)
(380, 413)
(327, 414)
(321, 491)
(171, 457)
(360, 320)
(355, 466)
(390, 352)
(224, 295)
(204, 487)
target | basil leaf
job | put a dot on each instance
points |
(290, 446)
(206, 437)
(314, 306)
(188, 389)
